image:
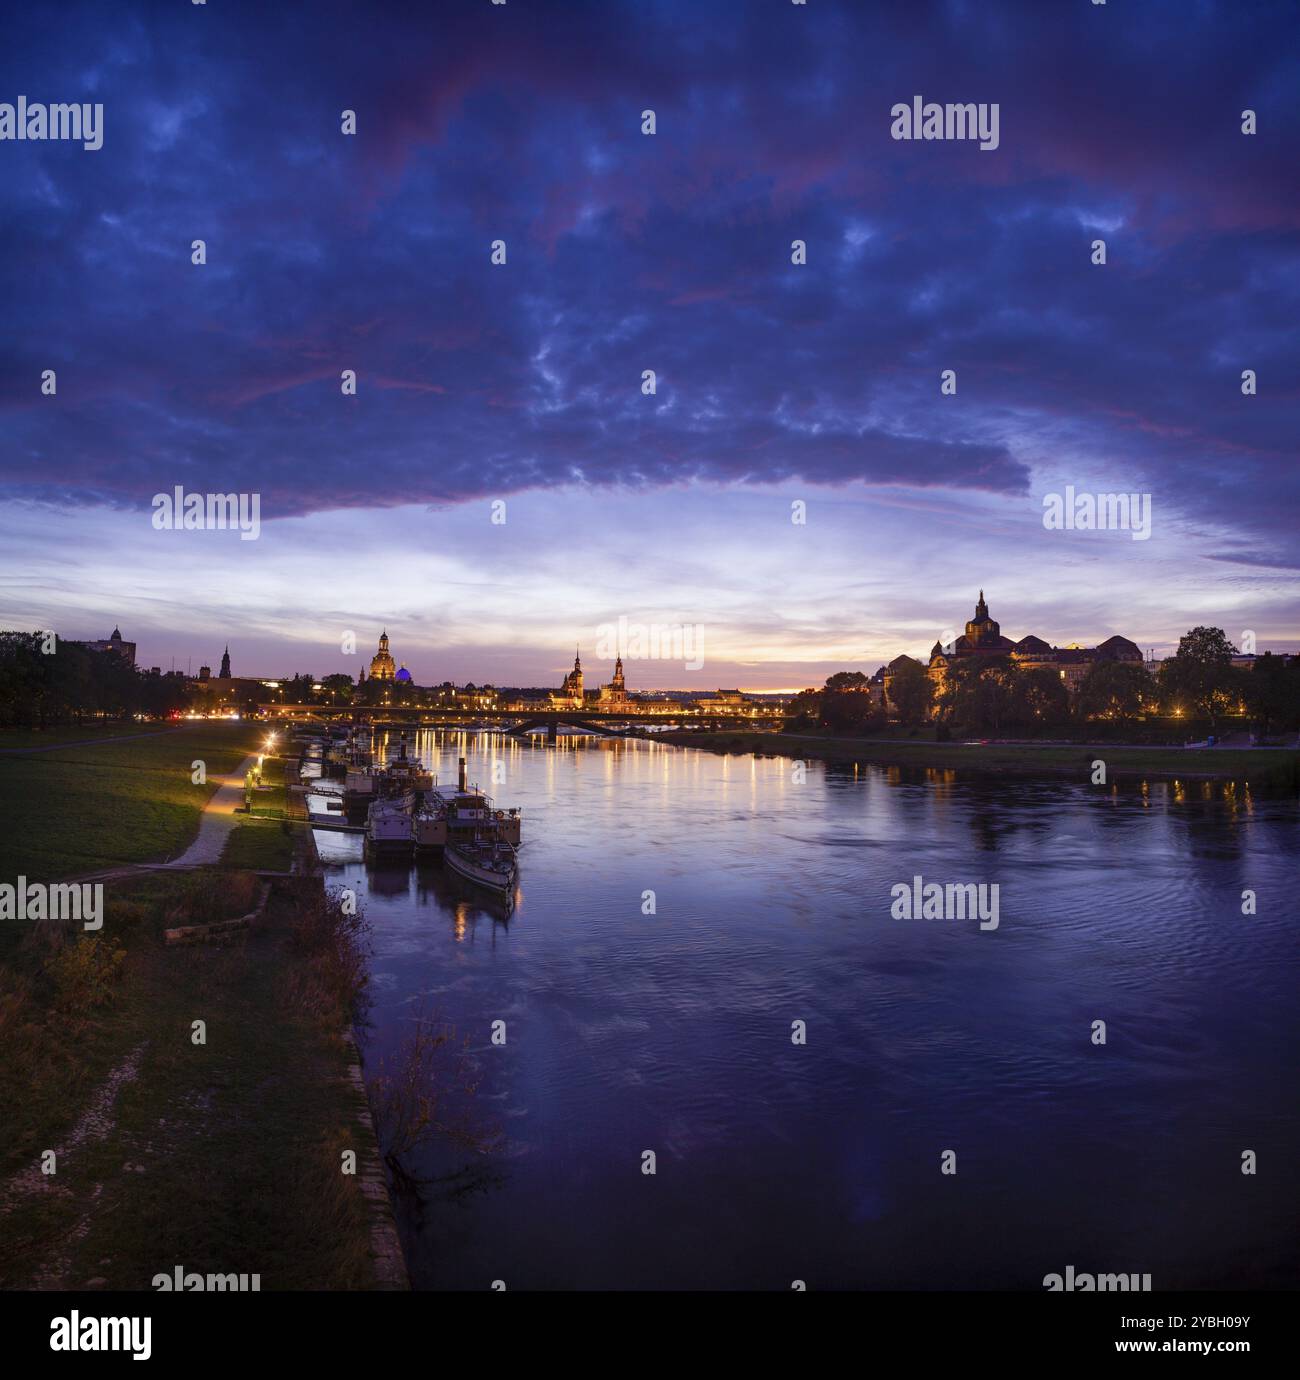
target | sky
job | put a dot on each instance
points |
(501, 488)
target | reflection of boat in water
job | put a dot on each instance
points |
(388, 829)
(490, 862)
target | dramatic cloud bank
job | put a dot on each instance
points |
(668, 252)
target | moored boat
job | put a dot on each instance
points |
(405, 773)
(470, 812)
(429, 825)
(388, 829)
(489, 862)
(361, 780)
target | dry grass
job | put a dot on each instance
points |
(222, 1158)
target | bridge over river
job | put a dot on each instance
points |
(611, 723)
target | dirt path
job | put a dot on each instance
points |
(94, 1124)
(217, 820)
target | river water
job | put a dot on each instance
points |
(627, 1032)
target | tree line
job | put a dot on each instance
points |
(46, 682)
(995, 694)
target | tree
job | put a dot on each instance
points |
(1039, 696)
(954, 691)
(993, 697)
(980, 693)
(69, 682)
(1271, 690)
(849, 711)
(911, 692)
(804, 711)
(1200, 674)
(846, 680)
(1115, 690)
(337, 687)
(1210, 646)
(298, 688)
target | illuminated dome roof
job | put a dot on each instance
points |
(381, 664)
(404, 674)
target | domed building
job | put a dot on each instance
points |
(113, 643)
(403, 675)
(983, 639)
(382, 666)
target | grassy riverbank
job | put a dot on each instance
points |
(85, 806)
(220, 1157)
(1075, 760)
(262, 845)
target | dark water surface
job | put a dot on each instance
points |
(671, 1032)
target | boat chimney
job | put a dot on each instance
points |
(402, 753)
(462, 776)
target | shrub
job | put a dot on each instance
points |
(205, 897)
(330, 975)
(121, 914)
(85, 974)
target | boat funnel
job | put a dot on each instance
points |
(462, 776)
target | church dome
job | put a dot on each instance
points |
(382, 666)
(403, 675)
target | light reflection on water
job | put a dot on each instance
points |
(671, 1032)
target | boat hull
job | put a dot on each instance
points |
(388, 831)
(430, 834)
(466, 864)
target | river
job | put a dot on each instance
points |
(776, 1161)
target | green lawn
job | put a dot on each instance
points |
(271, 800)
(78, 809)
(32, 737)
(262, 845)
